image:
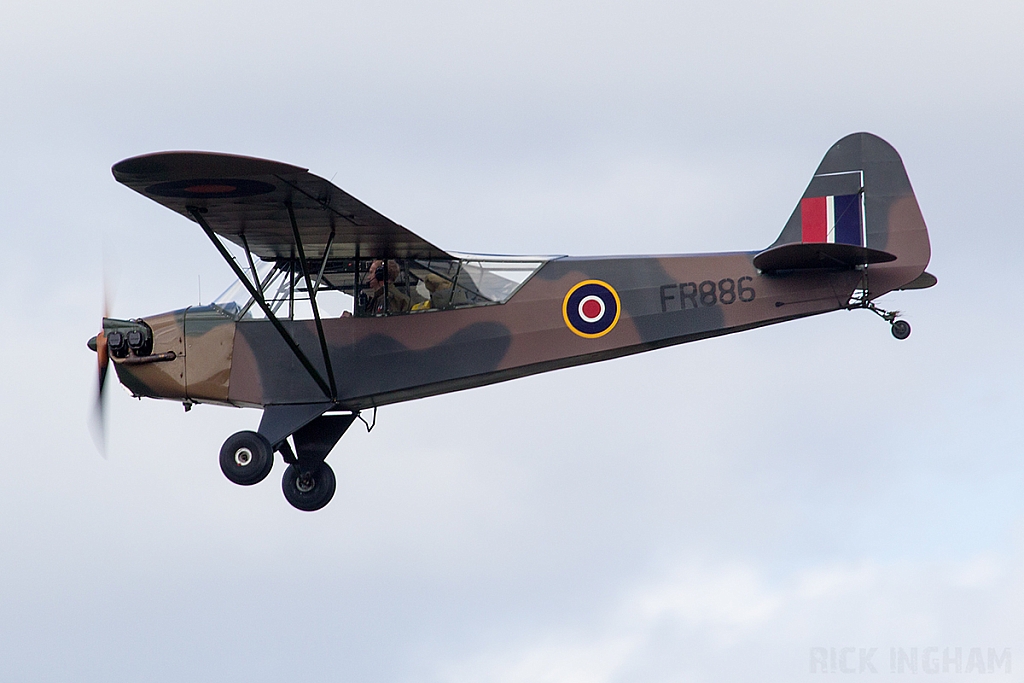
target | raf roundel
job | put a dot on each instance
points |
(219, 188)
(591, 309)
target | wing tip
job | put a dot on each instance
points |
(181, 165)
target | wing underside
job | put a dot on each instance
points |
(260, 205)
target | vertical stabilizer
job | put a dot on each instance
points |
(859, 210)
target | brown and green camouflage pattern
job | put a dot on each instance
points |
(381, 360)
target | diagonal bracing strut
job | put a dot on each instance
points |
(196, 214)
(312, 300)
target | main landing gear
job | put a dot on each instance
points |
(309, 488)
(246, 458)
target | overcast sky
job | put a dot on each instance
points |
(709, 512)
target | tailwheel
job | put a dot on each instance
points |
(309, 486)
(246, 458)
(900, 329)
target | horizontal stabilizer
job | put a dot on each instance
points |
(806, 256)
(923, 281)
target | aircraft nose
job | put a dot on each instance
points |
(91, 344)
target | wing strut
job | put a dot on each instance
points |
(196, 214)
(252, 265)
(323, 264)
(312, 301)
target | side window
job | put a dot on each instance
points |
(379, 287)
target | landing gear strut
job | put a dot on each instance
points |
(309, 483)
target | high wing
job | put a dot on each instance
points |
(260, 205)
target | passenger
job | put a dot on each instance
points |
(440, 293)
(397, 302)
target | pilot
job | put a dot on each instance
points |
(396, 301)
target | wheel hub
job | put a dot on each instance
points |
(243, 457)
(306, 482)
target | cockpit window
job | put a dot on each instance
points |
(369, 288)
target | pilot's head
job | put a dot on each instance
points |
(375, 278)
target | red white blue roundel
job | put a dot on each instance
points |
(591, 308)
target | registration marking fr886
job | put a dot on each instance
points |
(686, 295)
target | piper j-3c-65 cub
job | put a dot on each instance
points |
(338, 309)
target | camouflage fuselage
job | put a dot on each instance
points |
(378, 360)
(659, 301)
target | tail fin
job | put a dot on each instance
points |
(859, 210)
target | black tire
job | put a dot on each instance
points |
(309, 488)
(901, 329)
(246, 458)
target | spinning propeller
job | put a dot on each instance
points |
(99, 345)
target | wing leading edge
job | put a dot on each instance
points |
(251, 202)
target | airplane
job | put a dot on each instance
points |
(338, 310)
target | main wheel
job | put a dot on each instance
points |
(309, 489)
(901, 329)
(246, 458)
